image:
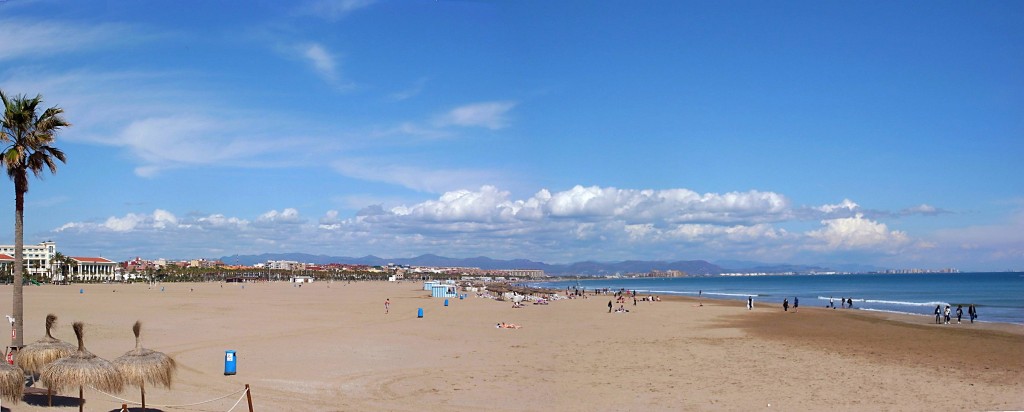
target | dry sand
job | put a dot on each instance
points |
(331, 347)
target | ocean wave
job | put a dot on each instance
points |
(893, 302)
(742, 295)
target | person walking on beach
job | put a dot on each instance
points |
(842, 302)
(938, 314)
(959, 313)
(610, 305)
(972, 312)
(750, 302)
(387, 306)
(849, 303)
(831, 302)
(785, 305)
(947, 314)
(796, 304)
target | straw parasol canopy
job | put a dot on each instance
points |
(141, 365)
(34, 356)
(80, 369)
(12, 382)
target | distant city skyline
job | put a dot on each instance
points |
(797, 132)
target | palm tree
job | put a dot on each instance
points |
(61, 263)
(28, 136)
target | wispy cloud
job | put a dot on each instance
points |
(409, 93)
(491, 115)
(334, 9)
(432, 180)
(322, 61)
(923, 210)
(33, 39)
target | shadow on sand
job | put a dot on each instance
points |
(137, 409)
(58, 400)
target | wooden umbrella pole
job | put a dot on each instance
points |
(49, 396)
(81, 400)
(142, 386)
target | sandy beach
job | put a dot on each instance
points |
(332, 347)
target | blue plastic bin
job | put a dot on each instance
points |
(230, 362)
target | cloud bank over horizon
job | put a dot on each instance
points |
(581, 223)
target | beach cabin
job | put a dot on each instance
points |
(302, 279)
(429, 286)
(443, 291)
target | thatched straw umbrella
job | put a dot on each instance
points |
(34, 356)
(80, 369)
(12, 382)
(141, 365)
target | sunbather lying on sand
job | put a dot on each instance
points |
(503, 325)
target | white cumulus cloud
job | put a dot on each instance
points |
(855, 233)
(288, 215)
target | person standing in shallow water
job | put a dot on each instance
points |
(972, 312)
(938, 314)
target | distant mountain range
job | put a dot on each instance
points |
(693, 267)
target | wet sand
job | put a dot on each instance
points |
(331, 347)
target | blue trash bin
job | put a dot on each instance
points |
(419, 313)
(446, 302)
(230, 362)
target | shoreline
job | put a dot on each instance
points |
(906, 317)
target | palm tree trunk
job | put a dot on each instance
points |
(19, 257)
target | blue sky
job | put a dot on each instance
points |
(881, 133)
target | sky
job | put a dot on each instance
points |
(875, 133)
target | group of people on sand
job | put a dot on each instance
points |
(621, 308)
(943, 316)
(844, 302)
(796, 304)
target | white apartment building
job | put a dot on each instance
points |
(284, 265)
(37, 257)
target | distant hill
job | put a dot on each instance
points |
(693, 267)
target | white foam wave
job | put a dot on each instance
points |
(742, 295)
(893, 302)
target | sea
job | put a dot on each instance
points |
(998, 297)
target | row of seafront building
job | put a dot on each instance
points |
(41, 261)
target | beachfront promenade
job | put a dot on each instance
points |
(331, 347)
